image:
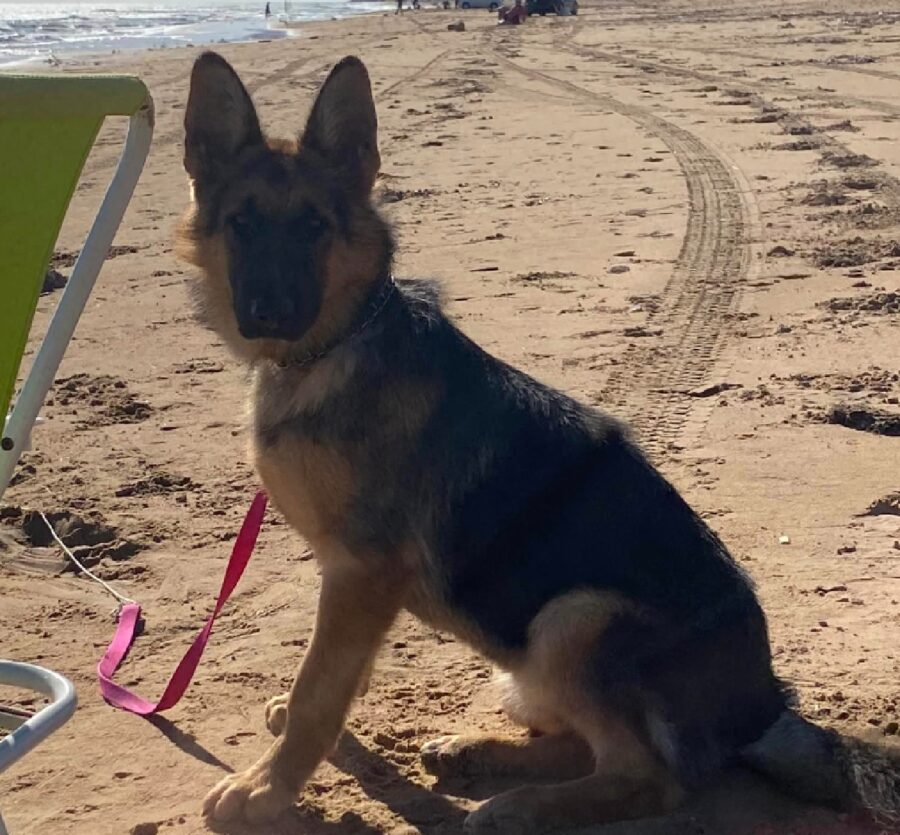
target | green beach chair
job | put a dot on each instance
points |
(48, 125)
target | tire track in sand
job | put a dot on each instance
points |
(415, 75)
(791, 121)
(676, 70)
(650, 385)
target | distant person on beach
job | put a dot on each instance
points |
(513, 16)
(268, 9)
(399, 7)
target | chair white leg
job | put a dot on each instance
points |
(29, 733)
(36, 729)
(78, 288)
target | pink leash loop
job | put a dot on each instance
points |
(129, 617)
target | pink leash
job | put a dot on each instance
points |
(129, 618)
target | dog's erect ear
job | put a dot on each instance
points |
(220, 120)
(343, 127)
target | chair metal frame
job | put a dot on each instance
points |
(26, 731)
(17, 429)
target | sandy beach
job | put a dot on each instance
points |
(685, 213)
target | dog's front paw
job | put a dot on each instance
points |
(505, 814)
(259, 794)
(447, 756)
(276, 714)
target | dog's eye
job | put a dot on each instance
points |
(312, 223)
(240, 224)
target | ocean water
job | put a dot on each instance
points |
(41, 31)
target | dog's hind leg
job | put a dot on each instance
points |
(356, 607)
(552, 750)
(558, 680)
(628, 781)
(597, 799)
(563, 756)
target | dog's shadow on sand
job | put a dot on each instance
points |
(740, 803)
(422, 809)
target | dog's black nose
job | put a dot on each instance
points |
(271, 315)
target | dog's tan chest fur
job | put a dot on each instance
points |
(309, 483)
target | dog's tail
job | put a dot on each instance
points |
(825, 767)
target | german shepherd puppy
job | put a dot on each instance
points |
(429, 476)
